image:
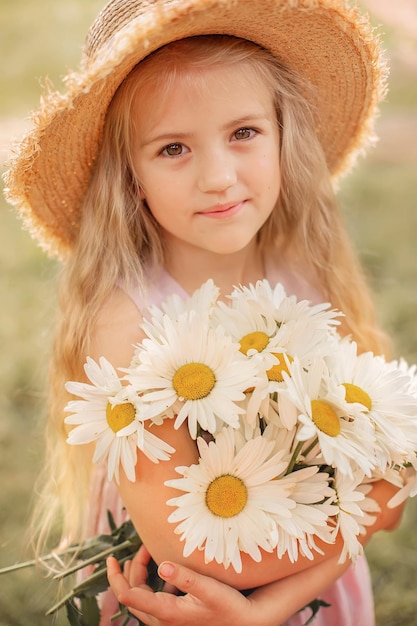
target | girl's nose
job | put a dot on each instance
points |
(217, 172)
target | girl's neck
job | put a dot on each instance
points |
(191, 270)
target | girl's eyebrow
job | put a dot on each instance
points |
(252, 118)
(165, 137)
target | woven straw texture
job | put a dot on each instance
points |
(327, 41)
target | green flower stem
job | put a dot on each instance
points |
(83, 586)
(297, 451)
(33, 562)
(95, 559)
(294, 457)
(124, 543)
(124, 614)
(69, 596)
(17, 566)
(311, 446)
(117, 615)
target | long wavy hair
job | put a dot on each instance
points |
(118, 237)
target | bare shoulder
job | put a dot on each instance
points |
(117, 330)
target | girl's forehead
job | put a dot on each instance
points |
(215, 82)
(218, 94)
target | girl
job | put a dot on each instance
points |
(199, 139)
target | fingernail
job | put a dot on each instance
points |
(166, 570)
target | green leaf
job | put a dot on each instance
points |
(90, 611)
(112, 523)
(87, 615)
(315, 607)
(153, 579)
(93, 546)
(92, 585)
(73, 614)
(122, 542)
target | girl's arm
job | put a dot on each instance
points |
(205, 598)
(145, 499)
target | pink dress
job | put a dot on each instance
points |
(350, 597)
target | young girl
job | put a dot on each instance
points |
(199, 140)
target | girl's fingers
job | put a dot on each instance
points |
(142, 556)
(138, 570)
(168, 588)
(126, 569)
(141, 601)
(116, 579)
(205, 589)
(204, 599)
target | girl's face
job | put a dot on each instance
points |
(206, 154)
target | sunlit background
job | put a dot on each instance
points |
(43, 38)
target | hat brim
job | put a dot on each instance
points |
(333, 47)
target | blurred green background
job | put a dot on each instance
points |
(44, 37)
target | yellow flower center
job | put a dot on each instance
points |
(275, 372)
(357, 394)
(226, 496)
(325, 418)
(254, 341)
(120, 415)
(193, 381)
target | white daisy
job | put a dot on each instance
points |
(202, 301)
(230, 499)
(272, 328)
(404, 478)
(283, 438)
(197, 370)
(285, 309)
(101, 421)
(262, 340)
(246, 322)
(309, 520)
(383, 392)
(407, 486)
(111, 415)
(323, 414)
(316, 323)
(411, 372)
(355, 512)
(269, 297)
(154, 448)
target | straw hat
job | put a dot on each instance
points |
(326, 41)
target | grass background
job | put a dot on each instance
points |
(379, 200)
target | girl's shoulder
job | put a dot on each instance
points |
(117, 329)
(118, 326)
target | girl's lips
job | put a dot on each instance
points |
(221, 211)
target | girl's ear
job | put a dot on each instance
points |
(141, 194)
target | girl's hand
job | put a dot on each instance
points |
(209, 601)
(136, 570)
(206, 597)
(204, 602)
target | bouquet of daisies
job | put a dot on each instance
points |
(292, 425)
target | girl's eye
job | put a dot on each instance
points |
(244, 133)
(173, 150)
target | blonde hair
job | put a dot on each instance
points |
(119, 236)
